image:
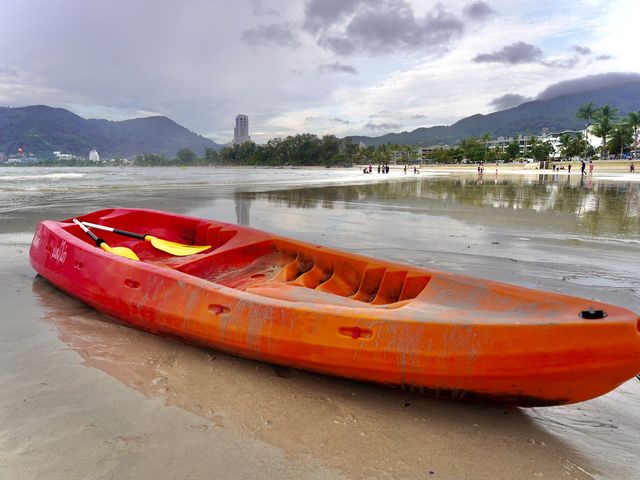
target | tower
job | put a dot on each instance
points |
(241, 130)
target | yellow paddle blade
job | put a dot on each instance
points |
(177, 249)
(121, 251)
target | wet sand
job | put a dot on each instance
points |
(85, 397)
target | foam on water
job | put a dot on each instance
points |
(49, 176)
(16, 238)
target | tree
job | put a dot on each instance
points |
(587, 112)
(633, 121)
(186, 156)
(565, 145)
(621, 136)
(541, 150)
(604, 123)
(472, 150)
(513, 150)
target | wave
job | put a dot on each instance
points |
(16, 238)
(49, 176)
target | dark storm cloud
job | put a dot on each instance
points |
(321, 14)
(479, 11)
(382, 126)
(271, 34)
(508, 100)
(581, 50)
(588, 83)
(337, 68)
(513, 54)
(379, 27)
(522, 52)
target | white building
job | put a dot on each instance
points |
(241, 130)
(93, 156)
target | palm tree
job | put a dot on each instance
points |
(633, 120)
(620, 136)
(587, 112)
(565, 145)
(604, 123)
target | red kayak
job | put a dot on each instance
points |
(270, 298)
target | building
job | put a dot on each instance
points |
(93, 156)
(64, 156)
(241, 130)
(423, 154)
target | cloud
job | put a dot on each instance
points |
(271, 34)
(382, 126)
(603, 57)
(260, 9)
(340, 120)
(582, 50)
(508, 100)
(418, 116)
(519, 52)
(337, 68)
(479, 11)
(586, 84)
(321, 14)
(6, 71)
(359, 26)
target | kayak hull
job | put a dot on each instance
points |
(274, 299)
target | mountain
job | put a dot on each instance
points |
(40, 129)
(530, 118)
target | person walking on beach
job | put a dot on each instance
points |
(582, 167)
(590, 167)
(405, 168)
(569, 168)
(632, 168)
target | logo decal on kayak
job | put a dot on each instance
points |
(59, 253)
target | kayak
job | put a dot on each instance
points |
(266, 297)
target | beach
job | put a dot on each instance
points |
(85, 397)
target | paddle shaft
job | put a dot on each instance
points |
(139, 236)
(93, 236)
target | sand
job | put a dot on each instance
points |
(84, 397)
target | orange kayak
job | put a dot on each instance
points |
(274, 299)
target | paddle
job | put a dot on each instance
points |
(121, 251)
(177, 249)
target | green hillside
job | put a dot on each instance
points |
(41, 130)
(556, 114)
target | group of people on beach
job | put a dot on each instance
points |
(381, 169)
(384, 168)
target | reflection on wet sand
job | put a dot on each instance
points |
(362, 430)
(601, 208)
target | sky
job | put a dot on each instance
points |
(341, 67)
